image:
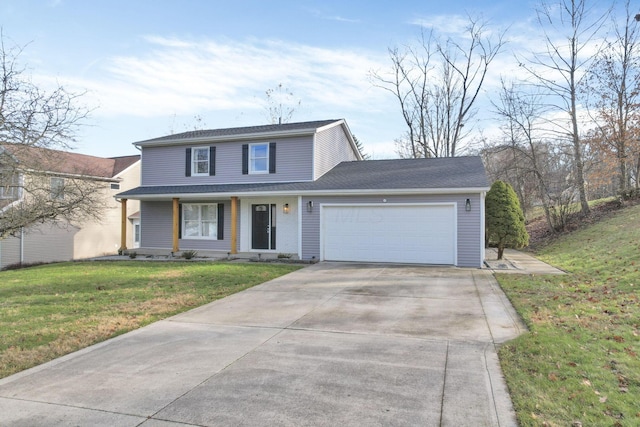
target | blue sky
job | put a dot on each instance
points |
(150, 67)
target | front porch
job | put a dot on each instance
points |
(251, 227)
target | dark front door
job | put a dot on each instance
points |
(263, 226)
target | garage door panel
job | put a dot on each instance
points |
(390, 233)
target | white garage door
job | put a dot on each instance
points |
(389, 233)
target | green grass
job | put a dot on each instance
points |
(51, 310)
(580, 360)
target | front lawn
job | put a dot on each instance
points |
(579, 364)
(51, 310)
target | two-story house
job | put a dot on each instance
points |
(303, 189)
(24, 169)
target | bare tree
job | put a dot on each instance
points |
(613, 93)
(42, 186)
(436, 84)
(35, 185)
(197, 123)
(281, 104)
(570, 34)
(525, 156)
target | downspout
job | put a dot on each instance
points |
(299, 227)
(21, 245)
(482, 229)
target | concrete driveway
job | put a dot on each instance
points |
(331, 344)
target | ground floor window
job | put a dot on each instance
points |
(200, 220)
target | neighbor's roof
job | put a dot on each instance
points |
(411, 175)
(64, 162)
(285, 129)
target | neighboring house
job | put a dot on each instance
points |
(59, 240)
(303, 189)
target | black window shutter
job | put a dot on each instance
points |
(272, 157)
(212, 161)
(245, 159)
(187, 166)
(179, 220)
(220, 221)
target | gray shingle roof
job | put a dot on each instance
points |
(444, 172)
(370, 175)
(239, 131)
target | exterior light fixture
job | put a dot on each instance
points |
(310, 206)
(467, 205)
(285, 208)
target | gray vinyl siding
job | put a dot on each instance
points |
(166, 165)
(157, 228)
(331, 147)
(43, 243)
(469, 244)
(9, 251)
(156, 225)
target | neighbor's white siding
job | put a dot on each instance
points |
(102, 237)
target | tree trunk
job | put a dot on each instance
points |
(577, 149)
(500, 250)
(638, 172)
(623, 171)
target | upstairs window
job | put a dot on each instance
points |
(258, 158)
(200, 161)
(9, 185)
(200, 164)
(57, 188)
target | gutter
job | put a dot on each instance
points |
(69, 175)
(317, 193)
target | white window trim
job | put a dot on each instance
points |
(194, 161)
(252, 171)
(199, 237)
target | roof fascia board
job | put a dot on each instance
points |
(69, 175)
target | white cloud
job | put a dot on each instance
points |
(449, 25)
(188, 77)
(330, 17)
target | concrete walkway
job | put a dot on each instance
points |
(517, 262)
(331, 344)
